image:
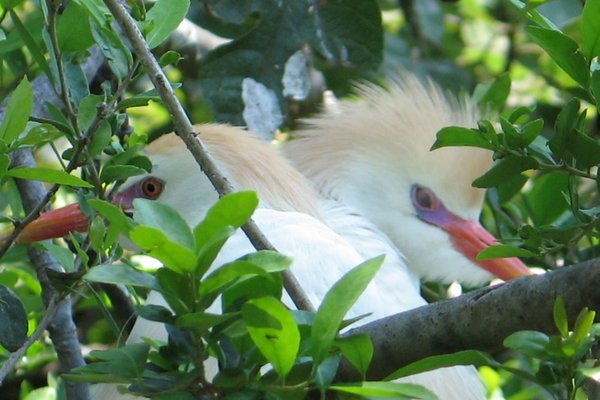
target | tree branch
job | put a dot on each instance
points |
(479, 320)
(185, 130)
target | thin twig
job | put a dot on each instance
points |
(16, 356)
(185, 130)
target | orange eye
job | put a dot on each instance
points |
(152, 187)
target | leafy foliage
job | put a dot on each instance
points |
(540, 60)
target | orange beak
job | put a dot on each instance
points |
(469, 237)
(52, 224)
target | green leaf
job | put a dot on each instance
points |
(18, 110)
(466, 357)
(48, 175)
(564, 127)
(505, 169)
(111, 173)
(165, 218)
(73, 29)
(583, 325)
(119, 222)
(564, 51)
(549, 186)
(63, 255)
(358, 349)
(590, 29)
(164, 17)
(124, 363)
(31, 44)
(13, 320)
(270, 261)
(531, 343)
(202, 321)
(338, 300)
(560, 317)
(459, 136)
(121, 274)
(530, 131)
(232, 210)
(272, 328)
(585, 150)
(595, 85)
(502, 251)
(88, 110)
(228, 274)
(100, 139)
(228, 214)
(117, 54)
(498, 92)
(172, 254)
(390, 390)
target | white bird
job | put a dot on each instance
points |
(289, 214)
(292, 217)
(374, 156)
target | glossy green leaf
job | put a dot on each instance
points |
(228, 274)
(17, 113)
(48, 175)
(13, 320)
(121, 274)
(233, 210)
(564, 51)
(560, 317)
(466, 357)
(172, 254)
(387, 390)
(530, 131)
(459, 136)
(502, 251)
(564, 127)
(273, 330)
(358, 349)
(338, 300)
(504, 169)
(165, 218)
(270, 261)
(590, 28)
(164, 17)
(220, 222)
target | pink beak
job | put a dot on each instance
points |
(469, 237)
(53, 224)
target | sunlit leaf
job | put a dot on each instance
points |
(503, 251)
(17, 113)
(338, 300)
(389, 390)
(273, 330)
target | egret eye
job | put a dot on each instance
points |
(423, 198)
(152, 187)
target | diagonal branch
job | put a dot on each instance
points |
(185, 130)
